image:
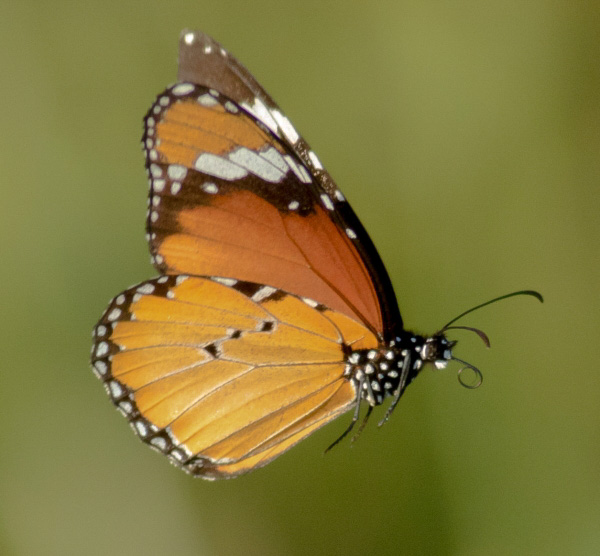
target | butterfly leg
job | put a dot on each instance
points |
(363, 424)
(354, 417)
(398, 393)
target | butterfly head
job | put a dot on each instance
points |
(437, 350)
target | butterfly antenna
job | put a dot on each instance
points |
(484, 337)
(532, 293)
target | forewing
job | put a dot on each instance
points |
(204, 61)
(229, 198)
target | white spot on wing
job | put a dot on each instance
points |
(146, 288)
(141, 428)
(178, 455)
(114, 314)
(159, 442)
(256, 164)
(296, 168)
(265, 291)
(188, 38)
(285, 126)
(261, 112)
(182, 89)
(311, 302)
(101, 367)
(209, 187)
(273, 156)
(126, 407)
(230, 107)
(176, 171)
(225, 281)
(214, 165)
(207, 100)
(305, 176)
(350, 233)
(315, 160)
(293, 205)
(116, 391)
(327, 201)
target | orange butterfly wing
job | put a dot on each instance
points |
(228, 199)
(223, 376)
(233, 183)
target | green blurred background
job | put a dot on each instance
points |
(466, 135)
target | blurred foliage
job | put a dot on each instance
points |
(466, 136)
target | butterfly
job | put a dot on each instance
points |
(272, 313)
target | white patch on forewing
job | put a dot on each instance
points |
(286, 126)
(256, 164)
(261, 112)
(315, 160)
(210, 187)
(297, 168)
(275, 158)
(219, 167)
(327, 201)
(305, 175)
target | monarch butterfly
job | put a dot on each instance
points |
(273, 312)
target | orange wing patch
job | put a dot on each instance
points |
(190, 127)
(222, 376)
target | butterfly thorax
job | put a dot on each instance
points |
(382, 372)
